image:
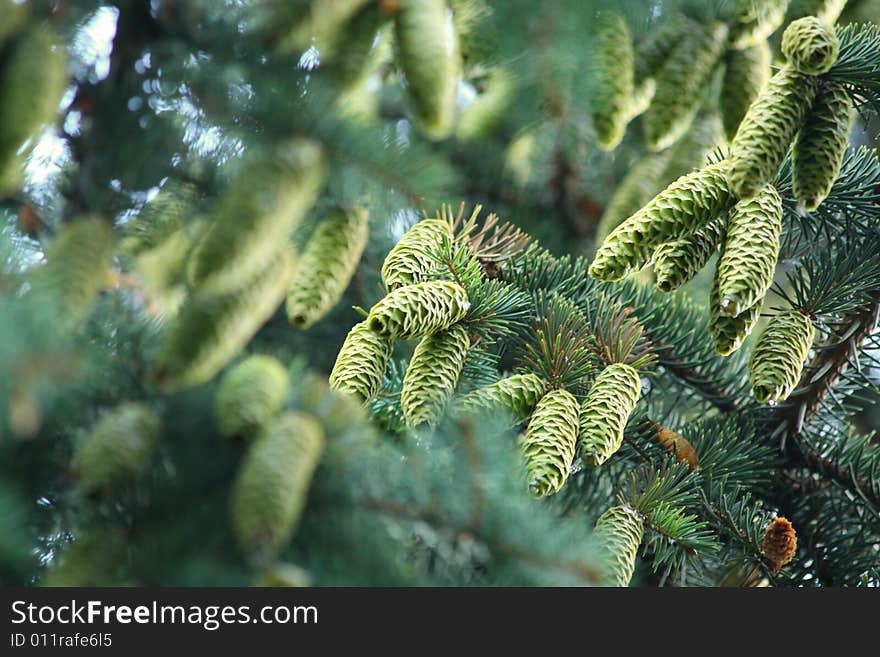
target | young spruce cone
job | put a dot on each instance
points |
(272, 483)
(551, 437)
(326, 265)
(680, 83)
(745, 269)
(820, 146)
(518, 393)
(605, 411)
(250, 395)
(117, 449)
(684, 207)
(728, 333)
(432, 375)
(780, 543)
(410, 259)
(746, 73)
(810, 46)
(677, 262)
(612, 72)
(418, 310)
(778, 359)
(767, 130)
(360, 364)
(620, 531)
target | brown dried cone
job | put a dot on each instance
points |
(605, 411)
(778, 359)
(745, 74)
(728, 333)
(745, 269)
(550, 442)
(676, 444)
(677, 262)
(360, 364)
(780, 543)
(272, 484)
(432, 375)
(767, 130)
(820, 146)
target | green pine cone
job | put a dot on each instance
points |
(551, 437)
(325, 267)
(360, 364)
(728, 333)
(745, 269)
(414, 311)
(518, 393)
(746, 73)
(272, 484)
(680, 85)
(94, 558)
(211, 330)
(620, 531)
(410, 260)
(653, 52)
(638, 186)
(117, 449)
(429, 56)
(827, 11)
(76, 268)
(612, 72)
(778, 358)
(677, 262)
(767, 130)
(605, 411)
(684, 207)
(820, 146)
(255, 218)
(810, 46)
(756, 21)
(33, 77)
(250, 395)
(432, 375)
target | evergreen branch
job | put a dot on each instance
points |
(858, 64)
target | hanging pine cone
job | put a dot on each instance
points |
(728, 333)
(680, 83)
(638, 186)
(746, 73)
(767, 130)
(778, 359)
(605, 411)
(78, 262)
(756, 20)
(410, 260)
(619, 531)
(820, 146)
(677, 262)
(418, 310)
(550, 442)
(684, 207)
(612, 72)
(326, 265)
(212, 329)
(780, 543)
(33, 77)
(653, 52)
(272, 484)
(518, 393)
(827, 11)
(745, 269)
(117, 449)
(361, 362)
(250, 395)
(810, 46)
(432, 375)
(430, 59)
(255, 217)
